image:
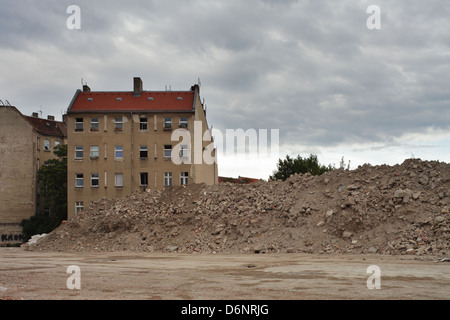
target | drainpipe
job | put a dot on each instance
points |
(132, 151)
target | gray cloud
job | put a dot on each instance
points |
(310, 68)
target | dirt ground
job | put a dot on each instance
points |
(168, 276)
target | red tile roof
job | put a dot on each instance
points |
(156, 101)
(48, 127)
(239, 180)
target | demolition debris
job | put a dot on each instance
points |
(401, 209)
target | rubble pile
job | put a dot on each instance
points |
(401, 209)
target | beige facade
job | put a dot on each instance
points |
(121, 142)
(25, 144)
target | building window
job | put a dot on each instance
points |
(167, 151)
(143, 125)
(167, 123)
(118, 124)
(118, 152)
(184, 178)
(184, 151)
(37, 143)
(94, 152)
(167, 179)
(94, 180)
(78, 206)
(94, 124)
(118, 181)
(47, 211)
(79, 180)
(78, 152)
(79, 124)
(143, 152)
(183, 122)
(143, 179)
(57, 143)
(46, 145)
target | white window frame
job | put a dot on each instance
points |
(79, 177)
(184, 151)
(116, 150)
(183, 122)
(95, 177)
(168, 179)
(167, 151)
(118, 180)
(79, 149)
(143, 125)
(143, 149)
(95, 125)
(95, 152)
(167, 124)
(79, 124)
(184, 178)
(118, 124)
(79, 206)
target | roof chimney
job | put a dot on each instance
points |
(35, 115)
(51, 118)
(86, 88)
(138, 87)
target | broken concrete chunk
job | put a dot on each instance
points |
(347, 234)
(402, 193)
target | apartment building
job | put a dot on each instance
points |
(26, 143)
(121, 142)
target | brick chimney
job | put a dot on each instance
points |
(138, 86)
(51, 118)
(35, 115)
(86, 88)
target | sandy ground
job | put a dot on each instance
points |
(125, 275)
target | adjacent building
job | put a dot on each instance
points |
(238, 180)
(26, 143)
(120, 142)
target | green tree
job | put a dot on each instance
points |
(52, 181)
(289, 166)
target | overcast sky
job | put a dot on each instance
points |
(311, 69)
